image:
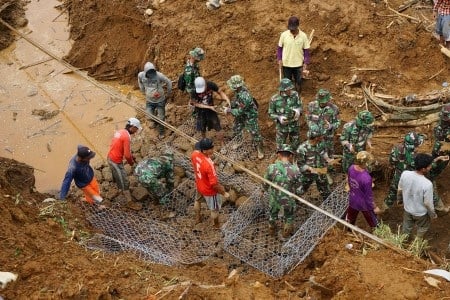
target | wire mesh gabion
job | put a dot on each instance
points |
(167, 234)
(246, 233)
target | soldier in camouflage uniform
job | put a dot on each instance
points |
(313, 161)
(245, 111)
(285, 108)
(192, 69)
(356, 136)
(285, 174)
(401, 159)
(441, 150)
(326, 115)
(156, 175)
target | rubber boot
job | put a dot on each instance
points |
(259, 148)
(287, 230)
(130, 203)
(272, 229)
(198, 212)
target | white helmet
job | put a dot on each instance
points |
(134, 122)
(200, 84)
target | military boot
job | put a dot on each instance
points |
(287, 230)
(272, 229)
(259, 148)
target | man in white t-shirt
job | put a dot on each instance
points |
(417, 193)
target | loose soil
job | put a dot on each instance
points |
(113, 40)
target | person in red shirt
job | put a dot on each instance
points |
(119, 149)
(206, 181)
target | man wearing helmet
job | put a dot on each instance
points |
(284, 173)
(356, 136)
(192, 69)
(285, 108)
(440, 153)
(119, 149)
(313, 161)
(360, 195)
(441, 145)
(156, 175)
(326, 115)
(202, 99)
(245, 111)
(402, 158)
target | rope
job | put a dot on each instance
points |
(123, 99)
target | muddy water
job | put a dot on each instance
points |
(87, 115)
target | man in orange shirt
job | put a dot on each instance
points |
(206, 181)
(121, 148)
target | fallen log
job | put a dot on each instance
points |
(381, 103)
(428, 119)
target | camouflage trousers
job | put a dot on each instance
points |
(391, 198)
(321, 182)
(328, 141)
(293, 135)
(348, 159)
(157, 189)
(275, 205)
(251, 125)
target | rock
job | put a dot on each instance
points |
(179, 171)
(233, 196)
(139, 193)
(149, 12)
(240, 200)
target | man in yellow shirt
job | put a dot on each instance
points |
(293, 52)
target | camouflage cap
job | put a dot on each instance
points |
(445, 112)
(364, 158)
(197, 53)
(285, 148)
(285, 85)
(413, 139)
(364, 118)
(236, 81)
(323, 96)
(314, 131)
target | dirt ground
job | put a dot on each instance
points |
(113, 40)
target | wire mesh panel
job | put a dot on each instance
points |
(246, 234)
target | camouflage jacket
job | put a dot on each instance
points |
(284, 174)
(284, 106)
(356, 136)
(402, 159)
(243, 106)
(322, 116)
(309, 155)
(441, 137)
(191, 71)
(151, 169)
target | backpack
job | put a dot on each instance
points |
(181, 83)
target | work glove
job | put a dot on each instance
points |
(297, 113)
(350, 147)
(282, 119)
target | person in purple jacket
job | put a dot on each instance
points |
(360, 195)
